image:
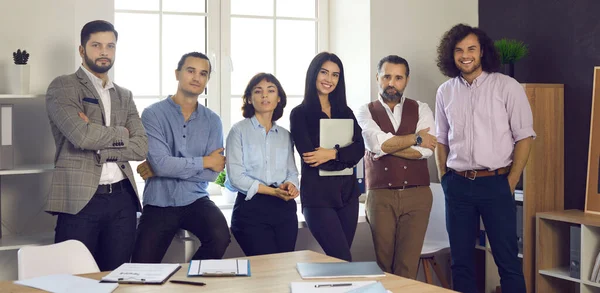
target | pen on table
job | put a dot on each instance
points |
(333, 285)
(187, 282)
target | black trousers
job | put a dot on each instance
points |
(334, 228)
(158, 226)
(491, 198)
(106, 225)
(265, 224)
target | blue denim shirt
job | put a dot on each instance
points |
(255, 156)
(175, 151)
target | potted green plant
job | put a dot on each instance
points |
(229, 195)
(510, 52)
(19, 78)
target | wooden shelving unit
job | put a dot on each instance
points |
(553, 255)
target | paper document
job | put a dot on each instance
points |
(219, 267)
(143, 273)
(328, 287)
(339, 270)
(65, 283)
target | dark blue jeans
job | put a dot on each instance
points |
(106, 225)
(489, 197)
(265, 224)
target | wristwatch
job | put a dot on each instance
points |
(418, 140)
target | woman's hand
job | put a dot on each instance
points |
(319, 156)
(291, 189)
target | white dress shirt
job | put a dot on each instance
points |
(373, 135)
(111, 172)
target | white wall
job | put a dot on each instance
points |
(349, 36)
(49, 31)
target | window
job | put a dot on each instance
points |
(240, 37)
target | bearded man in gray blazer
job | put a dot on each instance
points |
(97, 131)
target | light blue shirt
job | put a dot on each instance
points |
(175, 151)
(255, 156)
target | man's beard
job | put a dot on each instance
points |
(476, 66)
(96, 68)
(391, 97)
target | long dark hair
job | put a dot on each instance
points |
(337, 97)
(248, 109)
(490, 61)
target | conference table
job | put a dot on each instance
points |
(270, 273)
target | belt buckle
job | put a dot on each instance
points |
(110, 189)
(474, 174)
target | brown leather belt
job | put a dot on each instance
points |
(472, 174)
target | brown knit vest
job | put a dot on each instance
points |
(390, 171)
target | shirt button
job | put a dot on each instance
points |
(184, 126)
(184, 136)
(405, 182)
(385, 168)
(405, 167)
(389, 184)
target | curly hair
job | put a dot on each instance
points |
(490, 61)
(248, 109)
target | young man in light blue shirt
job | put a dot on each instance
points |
(185, 146)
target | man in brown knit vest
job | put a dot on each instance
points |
(398, 134)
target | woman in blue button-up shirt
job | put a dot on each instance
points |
(261, 167)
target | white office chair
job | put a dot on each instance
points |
(68, 257)
(436, 237)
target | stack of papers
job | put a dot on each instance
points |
(338, 287)
(142, 273)
(219, 268)
(65, 283)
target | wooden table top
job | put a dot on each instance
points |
(270, 273)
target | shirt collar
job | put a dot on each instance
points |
(98, 81)
(257, 124)
(178, 108)
(386, 106)
(477, 82)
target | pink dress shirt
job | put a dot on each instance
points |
(480, 122)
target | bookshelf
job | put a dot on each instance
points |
(6, 96)
(592, 198)
(553, 256)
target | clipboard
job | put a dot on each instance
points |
(219, 268)
(141, 273)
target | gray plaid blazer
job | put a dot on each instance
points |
(82, 148)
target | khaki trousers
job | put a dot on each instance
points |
(398, 220)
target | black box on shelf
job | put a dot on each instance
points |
(575, 255)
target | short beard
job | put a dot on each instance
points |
(477, 66)
(96, 68)
(391, 98)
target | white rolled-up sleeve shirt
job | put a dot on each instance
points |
(373, 135)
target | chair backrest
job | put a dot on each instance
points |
(68, 257)
(436, 229)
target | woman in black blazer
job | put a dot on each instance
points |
(329, 204)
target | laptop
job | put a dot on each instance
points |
(332, 132)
